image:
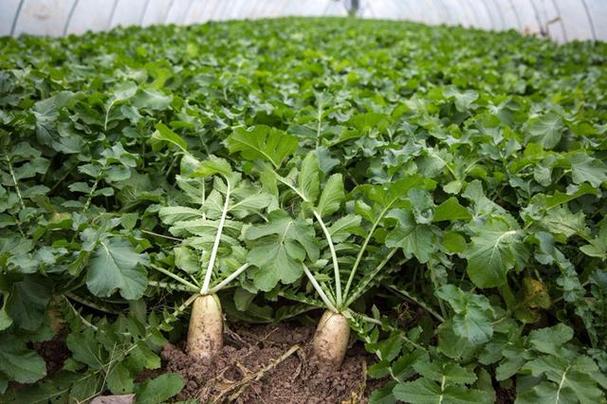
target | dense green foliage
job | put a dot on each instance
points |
(458, 174)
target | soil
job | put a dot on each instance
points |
(270, 364)
(505, 396)
(54, 352)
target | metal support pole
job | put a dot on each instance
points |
(109, 22)
(489, 14)
(590, 21)
(16, 18)
(537, 18)
(496, 5)
(166, 16)
(354, 8)
(516, 16)
(560, 17)
(69, 17)
(476, 23)
(145, 10)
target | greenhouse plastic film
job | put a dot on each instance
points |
(561, 20)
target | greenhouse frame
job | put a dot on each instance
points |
(563, 20)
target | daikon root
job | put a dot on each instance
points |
(331, 339)
(205, 333)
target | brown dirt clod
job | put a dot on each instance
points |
(54, 352)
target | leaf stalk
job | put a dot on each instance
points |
(207, 277)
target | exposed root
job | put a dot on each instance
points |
(205, 332)
(331, 339)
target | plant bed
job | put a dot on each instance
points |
(270, 364)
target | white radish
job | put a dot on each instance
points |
(205, 333)
(331, 339)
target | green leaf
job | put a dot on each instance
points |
(424, 391)
(344, 227)
(451, 210)
(422, 205)
(587, 169)
(550, 340)
(473, 314)
(18, 362)
(420, 391)
(558, 198)
(483, 206)
(86, 349)
(123, 91)
(278, 249)
(568, 381)
(454, 242)
(414, 239)
(563, 222)
(325, 161)
(308, 181)
(255, 202)
(368, 120)
(116, 266)
(28, 301)
(174, 214)
(383, 395)
(449, 372)
(46, 113)
(144, 357)
(187, 260)
(119, 380)
(159, 389)
(243, 299)
(546, 130)
(213, 166)
(152, 99)
(598, 246)
(262, 142)
(5, 319)
(464, 100)
(332, 196)
(453, 187)
(164, 134)
(495, 249)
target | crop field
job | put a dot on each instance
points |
(303, 210)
